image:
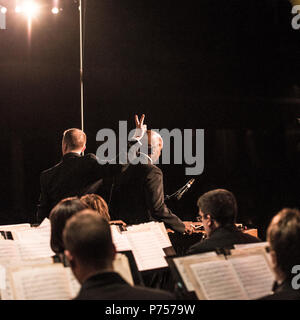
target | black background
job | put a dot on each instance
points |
(230, 67)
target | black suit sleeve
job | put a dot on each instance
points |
(154, 192)
(44, 206)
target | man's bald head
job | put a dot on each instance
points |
(154, 142)
(74, 140)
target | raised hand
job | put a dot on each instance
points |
(141, 128)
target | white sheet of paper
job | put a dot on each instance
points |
(41, 283)
(2, 278)
(251, 245)
(255, 275)
(147, 251)
(121, 266)
(179, 263)
(12, 227)
(120, 239)
(218, 281)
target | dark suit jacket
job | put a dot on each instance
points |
(111, 286)
(222, 238)
(72, 176)
(137, 196)
(283, 291)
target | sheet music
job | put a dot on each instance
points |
(217, 280)
(255, 275)
(251, 245)
(12, 227)
(6, 294)
(179, 263)
(41, 283)
(45, 224)
(120, 239)
(74, 284)
(35, 249)
(9, 253)
(2, 278)
(35, 242)
(121, 266)
(158, 228)
(146, 250)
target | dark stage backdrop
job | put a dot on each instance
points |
(230, 67)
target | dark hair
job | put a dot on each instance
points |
(58, 217)
(97, 203)
(74, 139)
(284, 238)
(220, 204)
(87, 236)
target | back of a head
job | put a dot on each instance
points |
(97, 203)
(74, 139)
(220, 204)
(58, 217)
(283, 235)
(88, 237)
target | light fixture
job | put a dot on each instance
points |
(18, 9)
(3, 10)
(55, 10)
(30, 8)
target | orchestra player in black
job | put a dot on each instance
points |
(218, 211)
(84, 234)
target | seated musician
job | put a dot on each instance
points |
(283, 235)
(218, 211)
(85, 233)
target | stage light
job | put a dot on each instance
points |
(55, 10)
(18, 9)
(30, 8)
(3, 10)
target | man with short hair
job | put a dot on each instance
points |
(90, 252)
(218, 211)
(75, 174)
(283, 235)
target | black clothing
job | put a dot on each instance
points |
(222, 238)
(137, 196)
(284, 291)
(71, 177)
(111, 286)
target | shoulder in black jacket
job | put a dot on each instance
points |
(137, 196)
(111, 286)
(70, 177)
(223, 237)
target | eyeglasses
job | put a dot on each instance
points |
(199, 218)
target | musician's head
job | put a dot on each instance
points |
(97, 203)
(283, 235)
(154, 143)
(74, 140)
(88, 244)
(58, 217)
(217, 208)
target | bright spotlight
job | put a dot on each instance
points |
(30, 8)
(18, 9)
(55, 10)
(3, 10)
